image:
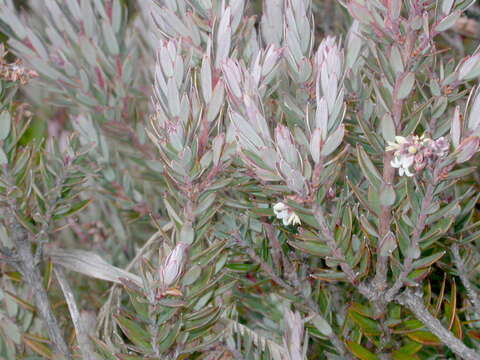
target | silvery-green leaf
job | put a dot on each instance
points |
(388, 244)
(90, 264)
(447, 6)
(388, 127)
(217, 147)
(405, 85)
(216, 102)
(396, 60)
(354, 44)
(474, 118)
(3, 157)
(387, 195)
(187, 233)
(205, 203)
(285, 145)
(321, 117)
(173, 97)
(272, 28)
(448, 21)
(369, 169)
(414, 252)
(5, 123)
(322, 325)
(206, 79)
(110, 38)
(333, 141)
(116, 15)
(223, 38)
(456, 127)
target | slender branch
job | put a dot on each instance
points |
(84, 343)
(337, 253)
(33, 278)
(380, 280)
(415, 304)
(462, 273)
(414, 242)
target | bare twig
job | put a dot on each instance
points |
(415, 304)
(462, 273)
(84, 343)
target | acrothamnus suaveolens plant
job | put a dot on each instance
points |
(275, 180)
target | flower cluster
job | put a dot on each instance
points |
(15, 72)
(283, 212)
(417, 152)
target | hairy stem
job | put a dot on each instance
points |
(415, 304)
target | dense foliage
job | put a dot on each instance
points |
(205, 179)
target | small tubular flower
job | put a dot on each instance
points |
(284, 213)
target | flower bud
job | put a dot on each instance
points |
(172, 267)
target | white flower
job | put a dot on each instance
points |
(403, 163)
(284, 213)
(399, 140)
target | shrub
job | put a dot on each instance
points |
(225, 180)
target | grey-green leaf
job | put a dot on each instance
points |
(5, 123)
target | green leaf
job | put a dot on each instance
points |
(103, 349)
(424, 337)
(37, 344)
(368, 169)
(407, 351)
(328, 275)
(172, 333)
(311, 247)
(428, 260)
(134, 332)
(360, 352)
(75, 208)
(368, 326)
(241, 267)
